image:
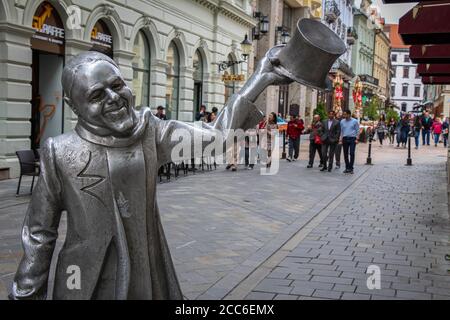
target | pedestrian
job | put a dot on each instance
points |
(417, 126)
(338, 150)
(315, 131)
(270, 126)
(330, 138)
(436, 128)
(160, 113)
(349, 134)
(392, 125)
(427, 122)
(381, 129)
(403, 130)
(295, 128)
(445, 126)
(202, 115)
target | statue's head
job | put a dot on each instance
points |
(95, 90)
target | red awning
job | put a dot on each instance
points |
(439, 53)
(426, 23)
(436, 80)
(405, 1)
(433, 69)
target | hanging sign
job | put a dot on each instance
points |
(226, 77)
(102, 39)
(49, 28)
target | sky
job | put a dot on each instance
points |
(391, 12)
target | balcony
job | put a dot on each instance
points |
(331, 11)
(351, 36)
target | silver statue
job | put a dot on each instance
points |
(104, 175)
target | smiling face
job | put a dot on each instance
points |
(102, 99)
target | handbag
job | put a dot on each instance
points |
(317, 140)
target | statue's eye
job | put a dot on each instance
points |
(97, 95)
(117, 85)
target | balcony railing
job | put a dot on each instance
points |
(351, 35)
(368, 79)
(331, 11)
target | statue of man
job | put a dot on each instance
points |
(103, 174)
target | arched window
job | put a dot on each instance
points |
(141, 71)
(197, 64)
(173, 81)
(230, 86)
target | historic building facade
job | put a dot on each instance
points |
(338, 16)
(168, 52)
(406, 85)
(381, 65)
(282, 17)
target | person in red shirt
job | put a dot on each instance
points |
(295, 128)
(436, 129)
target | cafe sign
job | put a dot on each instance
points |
(102, 39)
(49, 28)
(227, 77)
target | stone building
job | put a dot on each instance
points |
(338, 16)
(381, 66)
(406, 84)
(283, 16)
(168, 52)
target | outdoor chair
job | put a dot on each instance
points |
(28, 167)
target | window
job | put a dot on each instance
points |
(405, 72)
(406, 58)
(198, 80)
(404, 107)
(394, 58)
(173, 81)
(141, 71)
(405, 90)
(417, 91)
(417, 74)
(392, 89)
(394, 68)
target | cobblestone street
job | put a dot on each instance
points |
(299, 234)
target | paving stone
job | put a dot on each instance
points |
(327, 294)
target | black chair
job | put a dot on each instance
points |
(28, 166)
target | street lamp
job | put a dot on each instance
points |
(263, 26)
(246, 48)
(283, 35)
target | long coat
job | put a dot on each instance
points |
(107, 186)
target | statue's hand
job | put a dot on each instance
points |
(268, 70)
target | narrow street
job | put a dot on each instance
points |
(299, 234)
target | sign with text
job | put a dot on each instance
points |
(102, 39)
(49, 28)
(227, 77)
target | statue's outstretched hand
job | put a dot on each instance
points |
(267, 68)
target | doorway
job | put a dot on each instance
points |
(47, 116)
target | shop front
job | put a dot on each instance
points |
(47, 44)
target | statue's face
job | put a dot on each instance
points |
(102, 98)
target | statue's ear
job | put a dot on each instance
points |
(70, 104)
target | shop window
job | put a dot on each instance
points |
(141, 70)
(173, 81)
(198, 80)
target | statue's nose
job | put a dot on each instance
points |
(112, 96)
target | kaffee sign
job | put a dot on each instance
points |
(49, 28)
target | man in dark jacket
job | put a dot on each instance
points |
(294, 130)
(427, 122)
(330, 137)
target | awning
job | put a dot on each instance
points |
(404, 1)
(439, 53)
(433, 69)
(436, 80)
(426, 23)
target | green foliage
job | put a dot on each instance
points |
(371, 110)
(391, 113)
(321, 111)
